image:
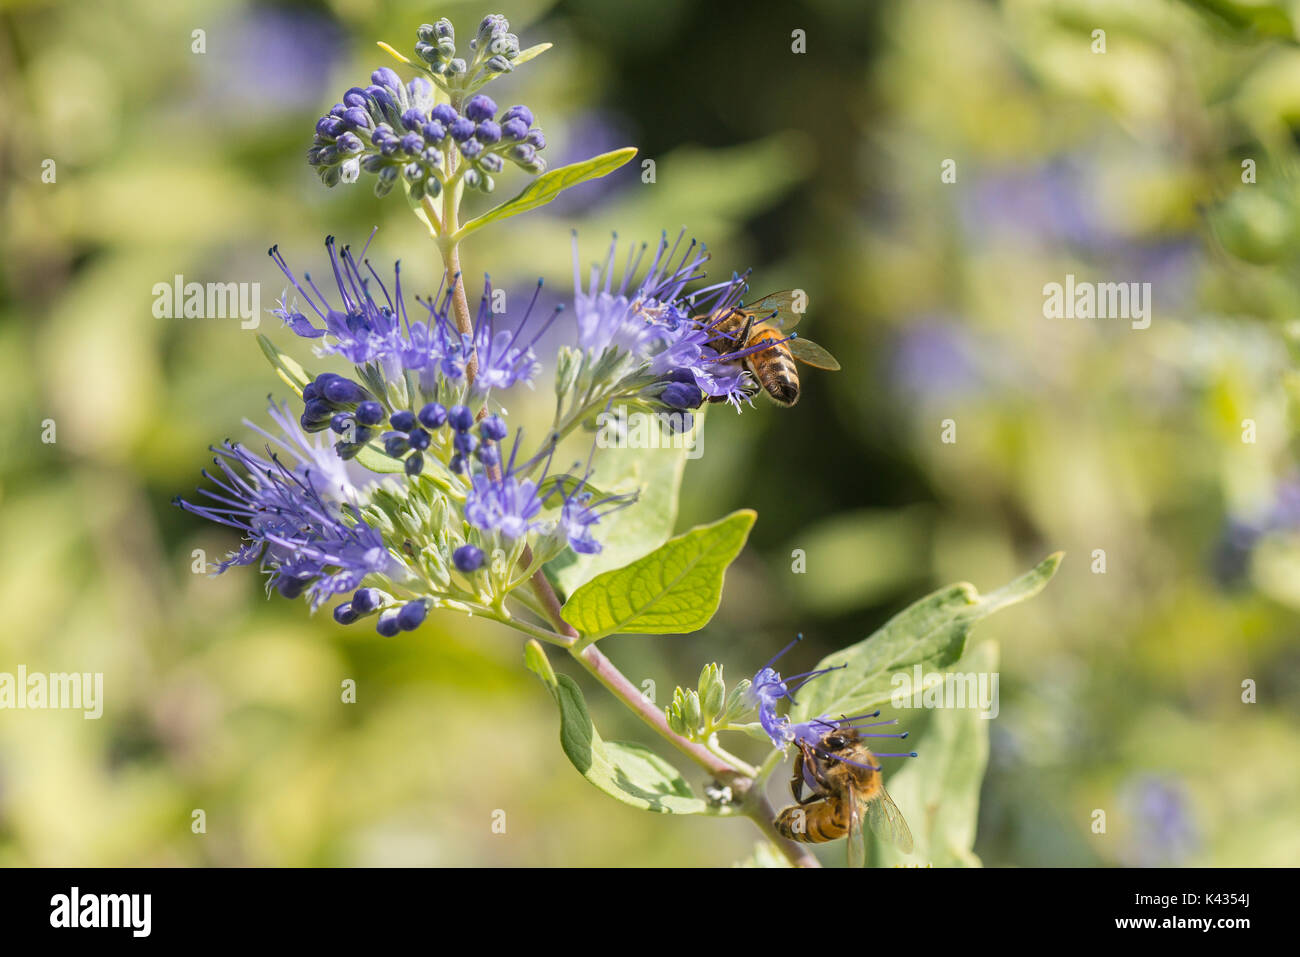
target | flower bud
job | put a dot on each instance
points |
(712, 691)
(432, 416)
(386, 77)
(461, 418)
(691, 710)
(412, 615)
(370, 413)
(493, 428)
(366, 600)
(480, 107)
(467, 558)
(343, 391)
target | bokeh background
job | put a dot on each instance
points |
(1121, 691)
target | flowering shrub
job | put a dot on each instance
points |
(403, 488)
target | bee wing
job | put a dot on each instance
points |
(777, 310)
(805, 350)
(887, 821)
(857, 846)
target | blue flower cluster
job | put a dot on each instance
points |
(394, 130)
(301, 522)
(422, 396)
(410, 132)
(380, 331)
(495, 49)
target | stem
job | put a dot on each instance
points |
(603, 670)
(759, 810)
(757, 807)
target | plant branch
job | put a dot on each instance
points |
(759, 810)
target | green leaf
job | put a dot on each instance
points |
(939, 791)
(533, 51)
(656, 474)
(535, 660)
(628, 772)
(930, 632)
(294, 375)
(548, 186)
(673, 590)
(377, 460)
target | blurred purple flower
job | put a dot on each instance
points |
(1045, 203)
(589, 134)
(932, 357)
(271, 60)
(1230, 557)
(1161, 823)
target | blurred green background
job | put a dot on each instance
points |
(1121, 691)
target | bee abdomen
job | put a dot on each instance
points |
(816, 824)
(774, 369)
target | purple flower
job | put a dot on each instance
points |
(1164, 828)
(655, 324)
(767, 690)
(298, 522)
(503, 500)
(579, 513)
(368, 328)
(505, 357)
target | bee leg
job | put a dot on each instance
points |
(808, 761)
(796, 779)
(744, 333)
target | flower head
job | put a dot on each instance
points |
(767, 690)
(372, 324)
(502, 500)
(671, 342)
(580, 510)
(300, 522)
(400, 132)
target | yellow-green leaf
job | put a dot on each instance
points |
(673, 590)
(548, 186)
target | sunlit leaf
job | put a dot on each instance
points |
(549, 185)
(930, 632)
(939, 791)
(294, 375)
(675, 589)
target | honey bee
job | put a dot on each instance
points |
(845, 788)
(744, 329)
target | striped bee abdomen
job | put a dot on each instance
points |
(773, 367)
(816, 823)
